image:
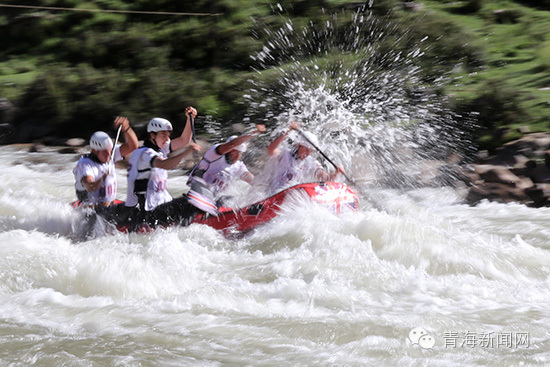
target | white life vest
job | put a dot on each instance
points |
(291, 170)
(216, 171)
(145, 179)
(88, 166)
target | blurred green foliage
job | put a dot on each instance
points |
(73, 71)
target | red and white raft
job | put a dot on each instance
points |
(335, 196)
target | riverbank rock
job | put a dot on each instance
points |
(37, 148)
(75, 142)
(494, 191)
(519, 172)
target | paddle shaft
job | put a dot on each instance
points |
(114, 146)
(322, 153)
(192, 120)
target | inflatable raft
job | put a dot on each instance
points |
(335, 196)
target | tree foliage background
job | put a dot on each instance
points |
(68, 73)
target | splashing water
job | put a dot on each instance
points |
(309, 288)
(350, 82)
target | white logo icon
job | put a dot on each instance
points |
(420, 336)
(426, 342)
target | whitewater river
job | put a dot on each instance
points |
(414, 279)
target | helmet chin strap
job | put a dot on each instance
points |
(155, 140)
(93, 156)
(151, 142)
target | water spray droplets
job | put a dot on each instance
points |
(348, 81)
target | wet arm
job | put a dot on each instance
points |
(187, 132)
(247, 177)
(130, 137)
(89, 183)
(322, 175)
(332, 176)
(272, 148)
(174, 160)
(227, 147)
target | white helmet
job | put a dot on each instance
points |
(241, 148)
(101, 141)
(304, 137)
(159, 124)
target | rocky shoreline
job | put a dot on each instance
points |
(519, 171)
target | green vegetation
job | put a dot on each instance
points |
(511, 87)
(72, 71)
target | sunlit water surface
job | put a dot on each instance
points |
(307, 289)
(414, 278)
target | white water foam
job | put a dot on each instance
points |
(309, 288)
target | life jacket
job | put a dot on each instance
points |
(204, 165)
(216, 171)
(90, 165)
(293, 170)
(146, 183)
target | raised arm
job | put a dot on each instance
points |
(187, 132)
(173, 161)
(130, 138)
(272, 148)
(227, 147)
